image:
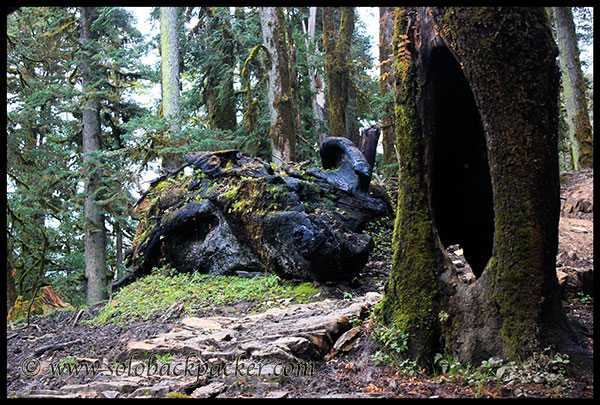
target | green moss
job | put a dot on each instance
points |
(152, 295)
(177, 395)
(412, 297)
(506, 62)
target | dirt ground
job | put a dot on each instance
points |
(353, 374)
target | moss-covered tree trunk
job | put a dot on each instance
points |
(506, 109)
(412, 298)
(279, 90)
(171, 99)
(337, 50)
(386, 87)
(578, 119)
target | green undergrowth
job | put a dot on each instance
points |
(156, 293)
(546, 368)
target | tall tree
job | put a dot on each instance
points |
(279, 91)
(219, 56)
(337, 45)
(171, 98)
(95, 231)
(317, 83)
(386, 88)
(46, 224)
(457, 71)
(41, 43)
(574, 88)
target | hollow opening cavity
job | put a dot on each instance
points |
(461, 188)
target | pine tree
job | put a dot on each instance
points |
(95, 231)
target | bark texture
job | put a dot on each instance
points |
(317, 84)
(509, 112)
(219, 93)
(578, 119)
(386, 87)
(95, 243)
(337, 48)
(279, 90)
(171, 98)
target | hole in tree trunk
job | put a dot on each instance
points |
(461, 183)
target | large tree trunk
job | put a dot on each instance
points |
(337, 48)
(281, 107)
(171, 100)
(578, 119)
(386, 87)
(95, 232)
(476, 103)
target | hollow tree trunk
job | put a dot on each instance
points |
(503, 112)
(281, 108)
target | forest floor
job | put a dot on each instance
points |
(348, 371)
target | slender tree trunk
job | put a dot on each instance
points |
(118, 246)
(171, 99)
(95, 232)
(294, 85)
(219, 92)
(578, 119)
(502, 62)
(386, 87)
(337, 48)
(317, 85)
(279, 91)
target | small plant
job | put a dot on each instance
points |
(164, 358)
(66, 362)
(394, 342)
(355, 321)
(583, 298)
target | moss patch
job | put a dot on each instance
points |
(156, 292)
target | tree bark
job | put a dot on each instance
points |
(578, 119)
(95, 232)
(317, 85)
(386, 87)
(171, 99)
(337, 48)
(506, 60)
(279, 91)
(219, 91)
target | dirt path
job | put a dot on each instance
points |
(326, 346)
